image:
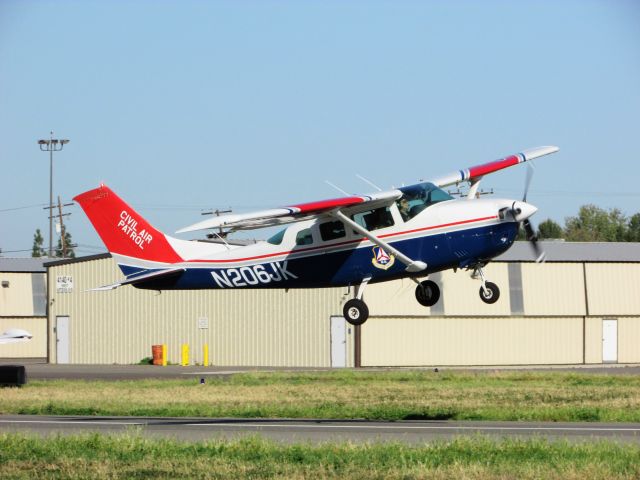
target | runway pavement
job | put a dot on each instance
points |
(41, 371)
(317, 431)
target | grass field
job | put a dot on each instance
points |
(551, 396)
(131, 456)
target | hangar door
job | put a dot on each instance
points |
(62, 339)
(416, 341)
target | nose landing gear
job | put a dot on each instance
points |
(489, 291)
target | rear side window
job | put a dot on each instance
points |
(304, 237)
(331, 230)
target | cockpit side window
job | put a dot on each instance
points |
(304, 237)
(374, 219)
(416, 198)
(332, 230)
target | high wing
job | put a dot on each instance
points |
(478, 171)
(355, 204)
(296, 213)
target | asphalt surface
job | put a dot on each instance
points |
(317, 431)
(43, 371)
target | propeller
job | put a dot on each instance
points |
(529, 231)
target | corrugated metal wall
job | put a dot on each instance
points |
(471, 341)
(257, 327)
(17, 299)
(613, 288)
(34, 348)
(547, 314)
(23, 305)
(628, 340)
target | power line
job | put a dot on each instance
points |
(22, 208)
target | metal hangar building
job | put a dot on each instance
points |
(580, 307)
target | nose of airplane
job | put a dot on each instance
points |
(522, 210)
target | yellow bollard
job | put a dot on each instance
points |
(205, 355)
(185, 355)
(164, 354)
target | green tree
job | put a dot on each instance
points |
(594, 224)
(37, 250)
(633, 228)
(550, 229)
(68, 248)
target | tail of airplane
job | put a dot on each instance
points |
(123, 230)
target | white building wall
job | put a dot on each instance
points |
(256, 327)
(556, 320)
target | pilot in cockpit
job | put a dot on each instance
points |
(403, 207)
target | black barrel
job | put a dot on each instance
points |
(13, 375)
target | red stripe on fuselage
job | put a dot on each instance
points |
(387, 235)
(480, 170)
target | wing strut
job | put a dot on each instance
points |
(412, 265)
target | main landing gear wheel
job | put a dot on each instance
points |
(355, 311)
(492, 294)
(427, 293)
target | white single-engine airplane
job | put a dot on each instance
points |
(410, 231)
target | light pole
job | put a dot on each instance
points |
(51, 145)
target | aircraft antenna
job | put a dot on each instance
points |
(338, 188)
(369, 182)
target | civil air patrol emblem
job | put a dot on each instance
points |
(382, 259)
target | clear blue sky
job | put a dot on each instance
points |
(184, 105)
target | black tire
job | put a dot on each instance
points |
(493, 293)
(355, 311)
(428, 293)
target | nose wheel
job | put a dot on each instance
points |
(489, 292)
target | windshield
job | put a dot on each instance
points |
(416, 198)
(277, 238)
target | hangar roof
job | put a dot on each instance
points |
(559, 251)
(23, 265)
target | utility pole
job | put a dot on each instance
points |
(63, 240)
(51, 145)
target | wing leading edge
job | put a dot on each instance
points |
(479, 171)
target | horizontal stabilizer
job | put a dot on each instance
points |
(141, 279)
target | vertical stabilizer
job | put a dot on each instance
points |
(123, 231)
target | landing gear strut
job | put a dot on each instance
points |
(427, 293)
(489, 291)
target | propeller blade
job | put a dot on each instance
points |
(527, 181)
(533, 240)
